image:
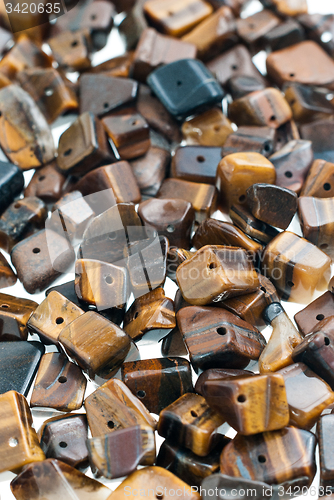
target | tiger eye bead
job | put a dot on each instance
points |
(251, 226)
(14, 315)
(320, 309)
(316, 217)
(251, 139)
(150, 170)
(196, 163)
(210, 128)
(253, 28)
(284, 35)
(72, 50)
(239, 86)
(319, 182)
(46, 183)
(307, 103)
(7, 275)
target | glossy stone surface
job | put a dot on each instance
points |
(316, 216)
(47, 183)
(253, 28)
(150, 170)
(71, 50)
(71, 215)
(219, 374)
(316, 25)
(175, 257)
(307, 103)
(319, 180)
(254, 228)
(316, 311)
(113, 406)
(196, 163)
(11, 183)
(239, 86)
(216, 273)
(173, 345)
(112, 456)
(252, 139)
(210, 128)
(14, 315)
(191, 423)
(324, 435)
(216, 338)
(285, 34)
(64, 438)
(304, 268)
(7, 275)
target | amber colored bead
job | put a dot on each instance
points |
(284, 338)
(251, 139)
(308, 395)
(226, 341)
(296, 267)
(292, 162)
(250, 307)
(251, 226)
(150, 170)
(113, 406)
(41, 258)
(64, 438)
(310, 317)
(83, 145)
(210, 128)
(196, 163)
(213, 35)
(307, 103)
(316, 217)
(14, 315)
(7, 275)
(55, 479)
(314, 67)
(237, 172)
(273, 457)
(250, 404)
(252, 29)
(71, 50)
(97, 345)
(324, 435)
(19, 442)
(47, 183)
(219, 374)
(176, 18)
(191, 423)
(319, 181)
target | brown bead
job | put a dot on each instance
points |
(19, 442)
(210, 128)
(201, 196)
(324, 435)
(296, 267)
(319, 27)
(216, 273)
(213, 35)
(196, 163)
(239, 86)
(113, 406)
(148, 312)
(216, 338)
(175, 18)
(175, 257)
(59, 384)
(273, 457)
(49, 92)
(320, 133)
(96, 344)
(310, 317)
(83, 145)
(286, 133)
(64, 438)
(154, 49)
(252, 29)
(150, 170)
(47, 183)
(319, 181)
(316, 217)
(308, 395)
(100, 93)
(250, 404)
(7, 275)
(284, 35)
(219, 374)
(116, 66)
(112, 459)
(52, 316)
(14, 315)
(191, 423)
(173, 345)
(292, 162)
(129, 133)
(251, 226)
(314, 67)
(53, 478)
(307, 103)
(325, 326)
(251, 139)
(41, 258)
(20, 220)
(72, 50)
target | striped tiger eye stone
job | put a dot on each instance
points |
(316, 217)
(313, 317)
(320, 180)
(296, 267)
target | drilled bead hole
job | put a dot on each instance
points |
(62, 380)
(323, 246)
(242, 198)
(59, 321)
(193, 414)
(262, 459)
(320, 317)
(136, 315)
(221, 331)
(234, 67)
(170, 228)
(74, 43)
(327, 341)
(41, 178)
(288, 174)
(141, 394)
(36, 250)
(5, 306)
(272, 118)
(212, 265)
(263, 289)
(292, 75)
(93, 17)
(200, 159)
(68, 152)
(159, 496)
(17, 206)
(112, 235)
(179, 83)
(241, 398)
(108, 279)
(327, 186)
(62, 444)
(111, 424)
(106, 105)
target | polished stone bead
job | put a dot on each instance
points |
(237, 172)
(158, 382)
(286, 133)
(118, 66)
(215, 273)
(273, 205)
(239, 86)
(253, 28)
(64, 438)
(14, 315)
(185, 86)
(149, 312)
(7, 275)
(150, 170)
(72, 50)
(25, 136)
(320, 133)
(47, 183)
(251, 226)
(118, 453)
(11, 184)
(191, 423)
(173, 218)
(175, 257)
(273, 457)
(324, 435)
(176, 18)
(308, 395)
(310, 317)
(41, 258)
(292, 162)
(319, 181)
(113, 406)
(251, 139)
(285, 34)
(219, 374)
(210, 128)
(213, 35)
(100, 93)
(250, 404)
(173, 344)
(52, 316)
(250, 307)
(96, 344)
(83, 145)
(19, 362)
(216, 338)
(55, 479)
(284, 338)
(316, 217)
(297, 268)
(307, 103)
(320, 27)
(20, 220)
(314, 67)
(19, 442)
